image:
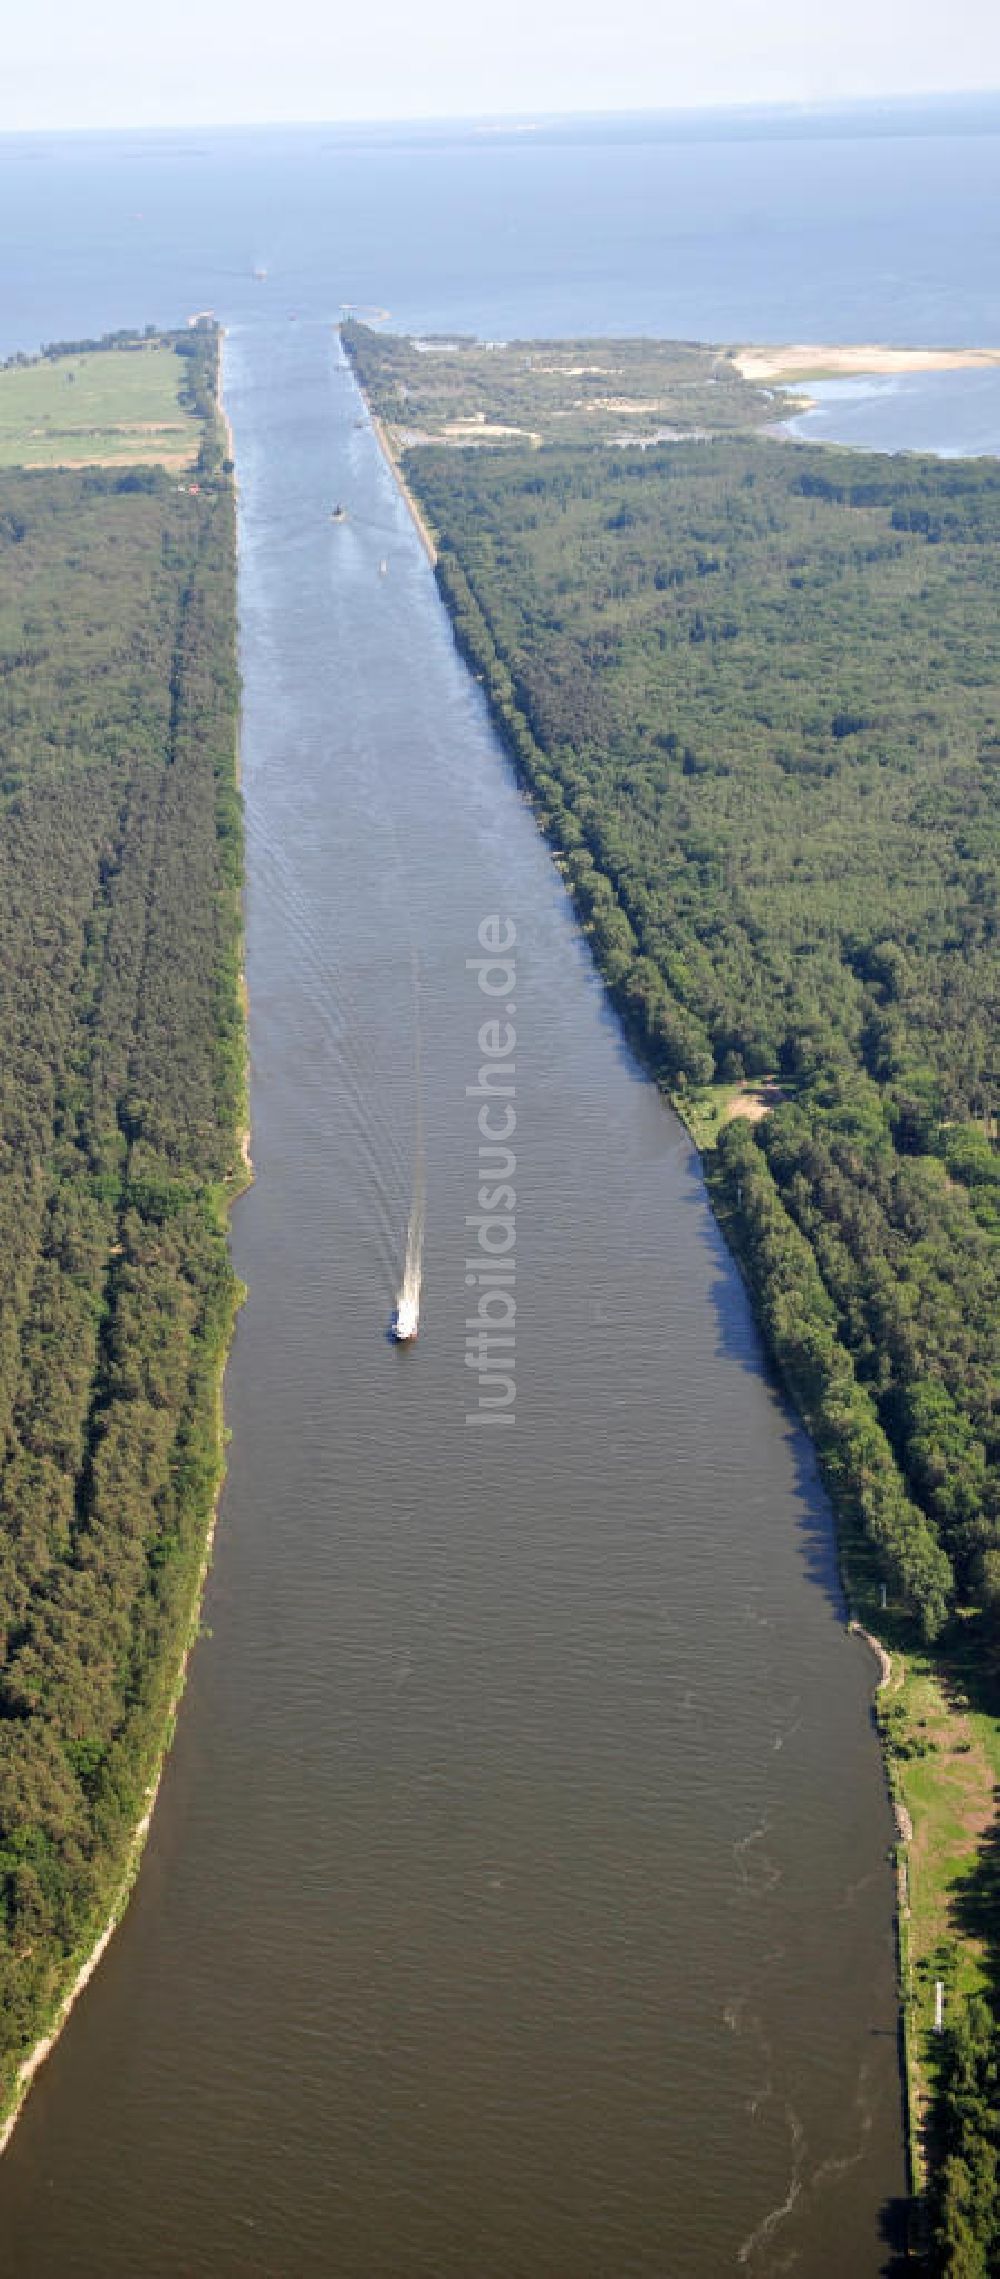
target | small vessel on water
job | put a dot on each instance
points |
(339, 513)
(406, 1320)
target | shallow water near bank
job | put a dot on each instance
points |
(950, 414)
(517, 1901)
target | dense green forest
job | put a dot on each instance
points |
(121, 1104)
(754, 690)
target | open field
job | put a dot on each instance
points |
(104, 407)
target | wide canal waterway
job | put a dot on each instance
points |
(517, 1905)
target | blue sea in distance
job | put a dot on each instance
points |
(873, 223)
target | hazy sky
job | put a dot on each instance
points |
(123, 63)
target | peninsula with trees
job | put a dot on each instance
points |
(752, 688)
(122, 1110)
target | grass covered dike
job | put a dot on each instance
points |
(752, 688)
(122, 1114)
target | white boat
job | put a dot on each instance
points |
(405, 1320)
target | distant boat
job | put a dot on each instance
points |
(406, 1321)
(383, 568)
(339, 514)
(258, 275)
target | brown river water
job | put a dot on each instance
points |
(517, 1904)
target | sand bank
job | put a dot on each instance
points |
(811, 361)
(389, 455)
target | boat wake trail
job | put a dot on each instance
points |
(407, 1314)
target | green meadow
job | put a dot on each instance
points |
(102, 407)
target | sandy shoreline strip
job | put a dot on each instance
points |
(881, 1653)
(382, 438)
(811, 361)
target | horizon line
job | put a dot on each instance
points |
(528, 120)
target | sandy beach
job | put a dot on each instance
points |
(811, 361)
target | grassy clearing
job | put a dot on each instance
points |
(705, 1108)
(946, 1781)
(943, 1756)
(105, 407)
